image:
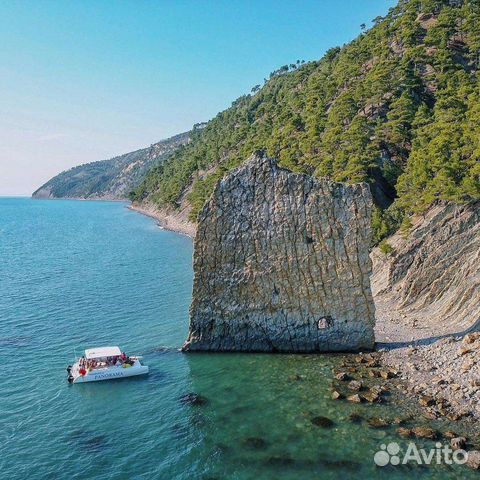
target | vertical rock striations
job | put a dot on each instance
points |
(281, 264)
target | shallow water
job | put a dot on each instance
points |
(80, 274)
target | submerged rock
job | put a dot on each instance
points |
(255, 443)
(280, 461)
(88, 440)
(297, 377)
(193, 399)
(375, 422)
(322, 422)
(281, 264)
(95, 444)
(342, 464)
(405, 432)
(425, 432)
(355, 417)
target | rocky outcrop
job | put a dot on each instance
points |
(43, 193)
(281, 264)
(432, 276)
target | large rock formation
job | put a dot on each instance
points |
(432, 277)
(281, 264)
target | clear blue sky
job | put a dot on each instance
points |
(87, 80)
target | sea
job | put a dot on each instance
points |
(81, 274)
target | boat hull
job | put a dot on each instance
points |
(111, 374)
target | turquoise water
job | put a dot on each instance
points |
(79, 274)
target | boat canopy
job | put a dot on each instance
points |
(102, 352)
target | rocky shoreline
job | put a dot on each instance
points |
(438, 366)
(426, 293)
(372, 378)
(441, 373)
(434, 366)
(168, 219)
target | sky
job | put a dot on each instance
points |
(88, 80)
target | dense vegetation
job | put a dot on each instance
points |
(111, 179)
(398, 107)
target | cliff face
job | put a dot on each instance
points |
(432, 277)
(111, 179)
(281, 264)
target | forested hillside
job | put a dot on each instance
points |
(110, 179)
(398, 107)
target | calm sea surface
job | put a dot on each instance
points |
(75, 275)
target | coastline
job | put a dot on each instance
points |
(167, 219)
(81, 199)
(436, 364)
(422, 328)
(439, 366)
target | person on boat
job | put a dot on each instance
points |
(123, 357)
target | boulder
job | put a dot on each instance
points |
(336, 395)
(405, 432)
(473, 459)
(458, 443)
(355, 385)
(355, 398)
(425, 432)
(281, 264)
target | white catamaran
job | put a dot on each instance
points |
(105, 363)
